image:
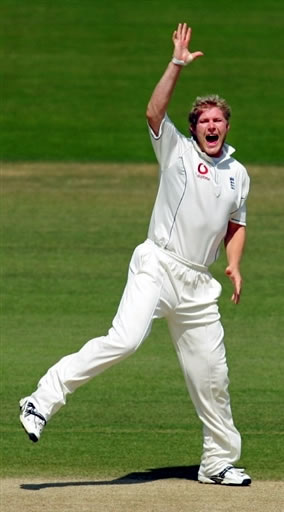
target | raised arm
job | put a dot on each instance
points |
(163, 91)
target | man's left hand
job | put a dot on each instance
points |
(236, 278)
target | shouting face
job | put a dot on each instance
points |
(211, 130)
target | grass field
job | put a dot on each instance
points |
(76, 76)
(78, 181)
(68, 231)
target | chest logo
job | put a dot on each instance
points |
(232, 183)
(202, 169)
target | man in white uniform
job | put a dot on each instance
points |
(200, 203)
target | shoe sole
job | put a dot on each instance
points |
(244, 483)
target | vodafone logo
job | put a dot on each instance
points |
(202, 169)
(203, 172)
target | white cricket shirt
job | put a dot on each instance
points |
(197, 196)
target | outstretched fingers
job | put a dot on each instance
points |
(181, 40)
(185, 33)
(182, 34)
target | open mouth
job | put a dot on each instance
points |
(212, 138)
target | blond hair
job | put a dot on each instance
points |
(202, 103)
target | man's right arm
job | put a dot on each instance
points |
(163, 91)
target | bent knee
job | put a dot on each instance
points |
(125, 343)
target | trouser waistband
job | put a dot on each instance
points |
(180, 259)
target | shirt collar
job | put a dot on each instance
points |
(227, 152)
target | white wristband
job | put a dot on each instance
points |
(179, 62)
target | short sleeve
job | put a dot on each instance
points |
(239, 216)
(166, 144)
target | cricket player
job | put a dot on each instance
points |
(200, 203)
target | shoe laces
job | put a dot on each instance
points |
(229, 468)
(30, 409)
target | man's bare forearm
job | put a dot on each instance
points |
(161, 96)
(235, 244)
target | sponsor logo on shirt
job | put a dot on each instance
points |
(203, 171)
(232, 183)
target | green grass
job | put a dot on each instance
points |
(67, 234)
(75, 81)
(76, 76)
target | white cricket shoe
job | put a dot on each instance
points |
(229, 476)
(32, 421)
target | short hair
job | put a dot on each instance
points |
(202, 103)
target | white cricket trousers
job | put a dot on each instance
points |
(158, 286)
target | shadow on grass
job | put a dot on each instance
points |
(184, 472)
